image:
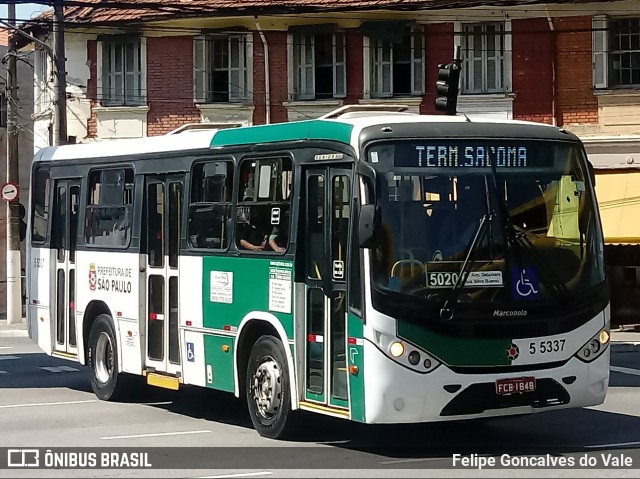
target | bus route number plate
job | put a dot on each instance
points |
(515, 385)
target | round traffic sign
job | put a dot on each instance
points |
(9, 191)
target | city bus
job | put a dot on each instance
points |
(378, 266)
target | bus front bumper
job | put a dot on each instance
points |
(395, 394)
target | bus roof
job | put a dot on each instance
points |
(187, 140)
(344, 129)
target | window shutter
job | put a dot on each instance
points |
(417, 61)
(339, 66)
(237, 68)
(600, 49)
(303, 61)
(200, 69)
(381, 68)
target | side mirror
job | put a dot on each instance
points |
(367, 225)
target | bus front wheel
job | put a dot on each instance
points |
(106, 382)
(267, 389)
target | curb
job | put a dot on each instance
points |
(625, 347)
(14, 333)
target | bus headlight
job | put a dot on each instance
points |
(594, 347)
(404, 353)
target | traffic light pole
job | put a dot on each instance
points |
(13, 263)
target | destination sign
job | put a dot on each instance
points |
(472, 153)
(451, 156)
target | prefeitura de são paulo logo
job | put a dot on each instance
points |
(512, 352)
(92, 277)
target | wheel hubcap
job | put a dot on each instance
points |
(267, 388)
(104, 358)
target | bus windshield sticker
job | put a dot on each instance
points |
(280, 290)
(275, 216)
(474, 279)
(338, 269)
(524, 283)
(221, 287)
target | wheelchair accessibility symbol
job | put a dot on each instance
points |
(191, 353)
(524, 283)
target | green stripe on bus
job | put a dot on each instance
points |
(218, 357)
(355, 357)
(234, 287)
(299, 130)
(457, 351)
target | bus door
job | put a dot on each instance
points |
(64, 234)
(327, 202)
(162, 222)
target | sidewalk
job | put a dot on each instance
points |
(622, 340)
(13, 330)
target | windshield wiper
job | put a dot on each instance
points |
(446, 312)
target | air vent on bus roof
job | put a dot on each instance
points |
(189, 127)
(363, 110)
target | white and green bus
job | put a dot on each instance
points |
(382, 267)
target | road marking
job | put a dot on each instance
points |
(636, 443)
(3, 357)
(5, 347)
(7, 406)
(415, 459)
(4, 372)
(157, 434)
(59, 369)
(240, 474)
(619, 369)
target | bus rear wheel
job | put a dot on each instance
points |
(267, 388)
(107, 383)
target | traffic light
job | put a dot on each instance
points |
(447, 87)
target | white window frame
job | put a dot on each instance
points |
(378, 64)
(241, 67)
(300, 85)
(503, 63)
(137, 76)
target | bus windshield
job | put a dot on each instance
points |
(485, 223)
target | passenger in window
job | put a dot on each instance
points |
(250, 234)
(279, 237)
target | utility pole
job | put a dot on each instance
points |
(14, 279)
(60, 122)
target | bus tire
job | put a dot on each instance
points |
(106, 382)
(268, 391)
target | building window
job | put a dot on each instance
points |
(319, 68)
(43, 96)
(221, 69)
(483, 54)
(616, 52)
(397, 68)
(122, 76)
(624, 57)
(3, 110)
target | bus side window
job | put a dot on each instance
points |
(40, 205)
(210, 205)
(262, 219)
(108, 217)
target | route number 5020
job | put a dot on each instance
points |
(544, 347)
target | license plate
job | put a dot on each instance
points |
(515, 385)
